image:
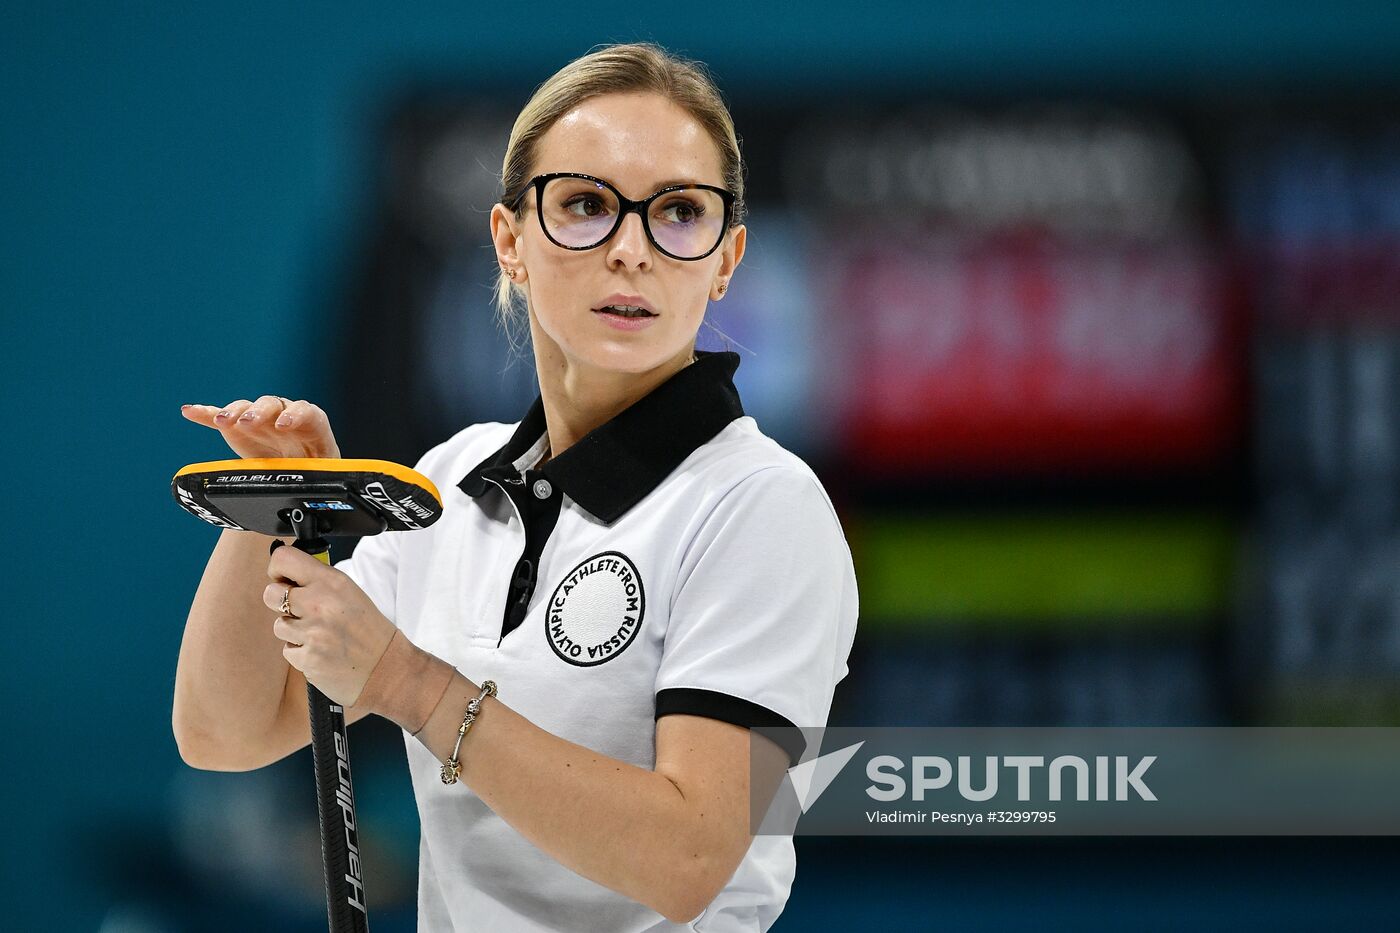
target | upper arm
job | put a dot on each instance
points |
(709, 761)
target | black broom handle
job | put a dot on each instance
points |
(335, 799)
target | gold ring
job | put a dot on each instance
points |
(287, 603)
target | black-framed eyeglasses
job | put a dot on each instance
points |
(579, 211)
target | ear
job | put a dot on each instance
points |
(731, 253)
(506, 235)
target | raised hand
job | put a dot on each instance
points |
(270, 427)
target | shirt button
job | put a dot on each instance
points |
(543, 489)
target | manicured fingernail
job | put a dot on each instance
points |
(283, 421)
(248, 416)
(186, 407)
(222, 415)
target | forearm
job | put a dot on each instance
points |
(231, 676)
(571, 802)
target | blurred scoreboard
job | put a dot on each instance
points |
(1020, 289)
(1030, 350)
(1315, 206)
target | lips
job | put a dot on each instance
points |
(624, 311)
(616, 303)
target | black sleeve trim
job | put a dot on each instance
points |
(726, 708)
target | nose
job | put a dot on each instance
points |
(630, 246)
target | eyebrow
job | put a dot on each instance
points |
(659, 185)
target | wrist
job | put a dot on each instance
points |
(406, 684)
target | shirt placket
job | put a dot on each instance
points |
(536, 502)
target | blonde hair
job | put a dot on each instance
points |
(612, 69)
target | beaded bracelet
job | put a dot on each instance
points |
(452, 767)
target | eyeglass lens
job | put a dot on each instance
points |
(580, 213)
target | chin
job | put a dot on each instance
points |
(621, 357)
(599, 347)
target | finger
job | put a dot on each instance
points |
(201, 414)
(297, 567)
(272, 597)
(296, 656)
(260, 413)
(287, 630)
(227, 416)
(308, 426)
(301, 415)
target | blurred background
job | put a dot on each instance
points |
(1087, 314)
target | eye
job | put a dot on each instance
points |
(593, 205)
(686, 211)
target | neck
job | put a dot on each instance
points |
(578, 397)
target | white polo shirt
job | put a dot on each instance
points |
(674, 560)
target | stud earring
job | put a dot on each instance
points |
(509, 272)
(722, 287)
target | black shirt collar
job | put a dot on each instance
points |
(611, 468)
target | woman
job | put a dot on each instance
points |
(644, 574)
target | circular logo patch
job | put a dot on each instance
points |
(596, 611)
